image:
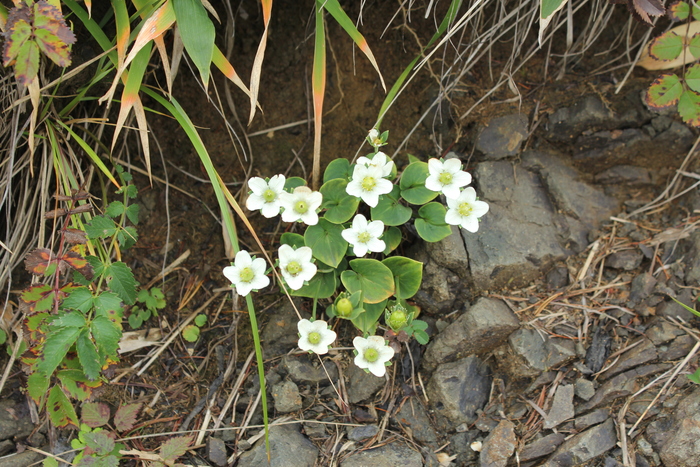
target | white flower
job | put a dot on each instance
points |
(368, 183)
(465, 210)
(447, 177)
(315, 336)
(296, 265)
(379, 160)
(372, 353)
(266, 195)
(374, 138)
(364, 236)
(246, 273)
(301, 205)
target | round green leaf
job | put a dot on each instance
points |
(190, 333)
(412, 184)
(390, 211)
(322, 285)
(292, 239)
(326, 241)
(200, 320)
(338, 168)
(292, 182)
(374, 279)
(408, 275)
(339, 205)
(392, 239)
(431, 232)
(433, 213)
(367, 321)
(664, 91)
(678, 11)
(668, 46)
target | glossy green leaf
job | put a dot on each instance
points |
(664, 91)
(689, 108)
(408, 275)
(197, 32)
(390, 210)
(412, 184)
(430, 224)
(392, 239)
(74, 319)
(106, 302)
(326, 241)
(292, 239)
(373, 278)
(339, 205)
(367, 321)
(61, 411)
(338, 168)
(668, 46)
(292, 182)
(322, 285)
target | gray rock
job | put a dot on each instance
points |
(677, 139)
(435, 293)
(616, 144)
(541, 447)
(358, 433)
(671, 309)
(599, 350)
(678, 348)
(557, 278)
(502, 136)
(450, 253)
(460, 445)
(216, 451)
(484, 326)
(661, 331)
(23, 459)
(541, 352)
(585, 446)
(287, 397)
(288, 448)
(360, 385)
(499, 445)
(458, 389)
(692, 270)
(589, 113)
(389, 455)
(315, 430)
(6, 446)
(658, 432)
(621, 385)
(590, 419)
(14, 420)
(642, 286)
(627, 260)
(681, 448)
(584, 388)
(639, 355)
(412, 415)
(305, 369)
(279, 335)
(624, 174)
(562, 407)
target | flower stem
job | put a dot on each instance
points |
(261, 366)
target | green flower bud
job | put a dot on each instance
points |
(344, 307)
(397, 319)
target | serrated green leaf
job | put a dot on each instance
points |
(174, 448)
(94, 414)
(668, 46)
(100, 227)
(73, 319)
(689, 108)
(106, 335)
(327, 242)
(132, 212)
(390, 210)
(58, 343)
(115, 209)
(100, 442)
(197, 32)
(190, 333)
(664, 91)
(79, 299)
(692, 77)
(339, 205)
(87, 354)
(122, 281)
(18, 33)
(421, 336)
(106, 302)
(373, 278)
(74, 382)
(694, 45)
(412, 184)
(61, 411)
(337, 168)
(408, 275)
(678, 11)
(125, 418)
(37, 386)
(127, 237)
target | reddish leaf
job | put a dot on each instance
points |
(79, 263)
(174, 448)
(38, 261)
(27, 64)
(51, 33)
(74, 236)
(642, 9)
(53, 214)
(125, 418)
(17, 35)
(95, 414)
(38, 298)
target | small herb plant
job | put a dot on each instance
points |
(347, 250)
(151, 301)
(191, 332)
(74, 314)
(671, 89)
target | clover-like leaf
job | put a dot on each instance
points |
(408, 275)
(373, 278)
(412, 184)
(338, 168)
(339, 205)
(664, 91)
(390, 210)
(327, 242)
(431, 224)
(190, 333)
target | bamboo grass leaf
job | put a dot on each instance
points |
(257, 62)
(318, 80)
(219, 60)
(197, 33)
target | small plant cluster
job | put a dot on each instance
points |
(74, 316)
(670, 89)
(333, 251)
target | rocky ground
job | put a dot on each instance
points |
(554, 342)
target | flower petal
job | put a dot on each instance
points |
(257, 185)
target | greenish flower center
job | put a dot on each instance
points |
(445, 178)
(364, 237)
(464, 209)
(344, 307)
(368, 183)
(301, 206)
(314, 338)
(397, 320)
(371, 355)
(294, 268)
(269, 195)
(247, 275)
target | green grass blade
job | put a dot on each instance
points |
(197, 32)
(318, 80)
